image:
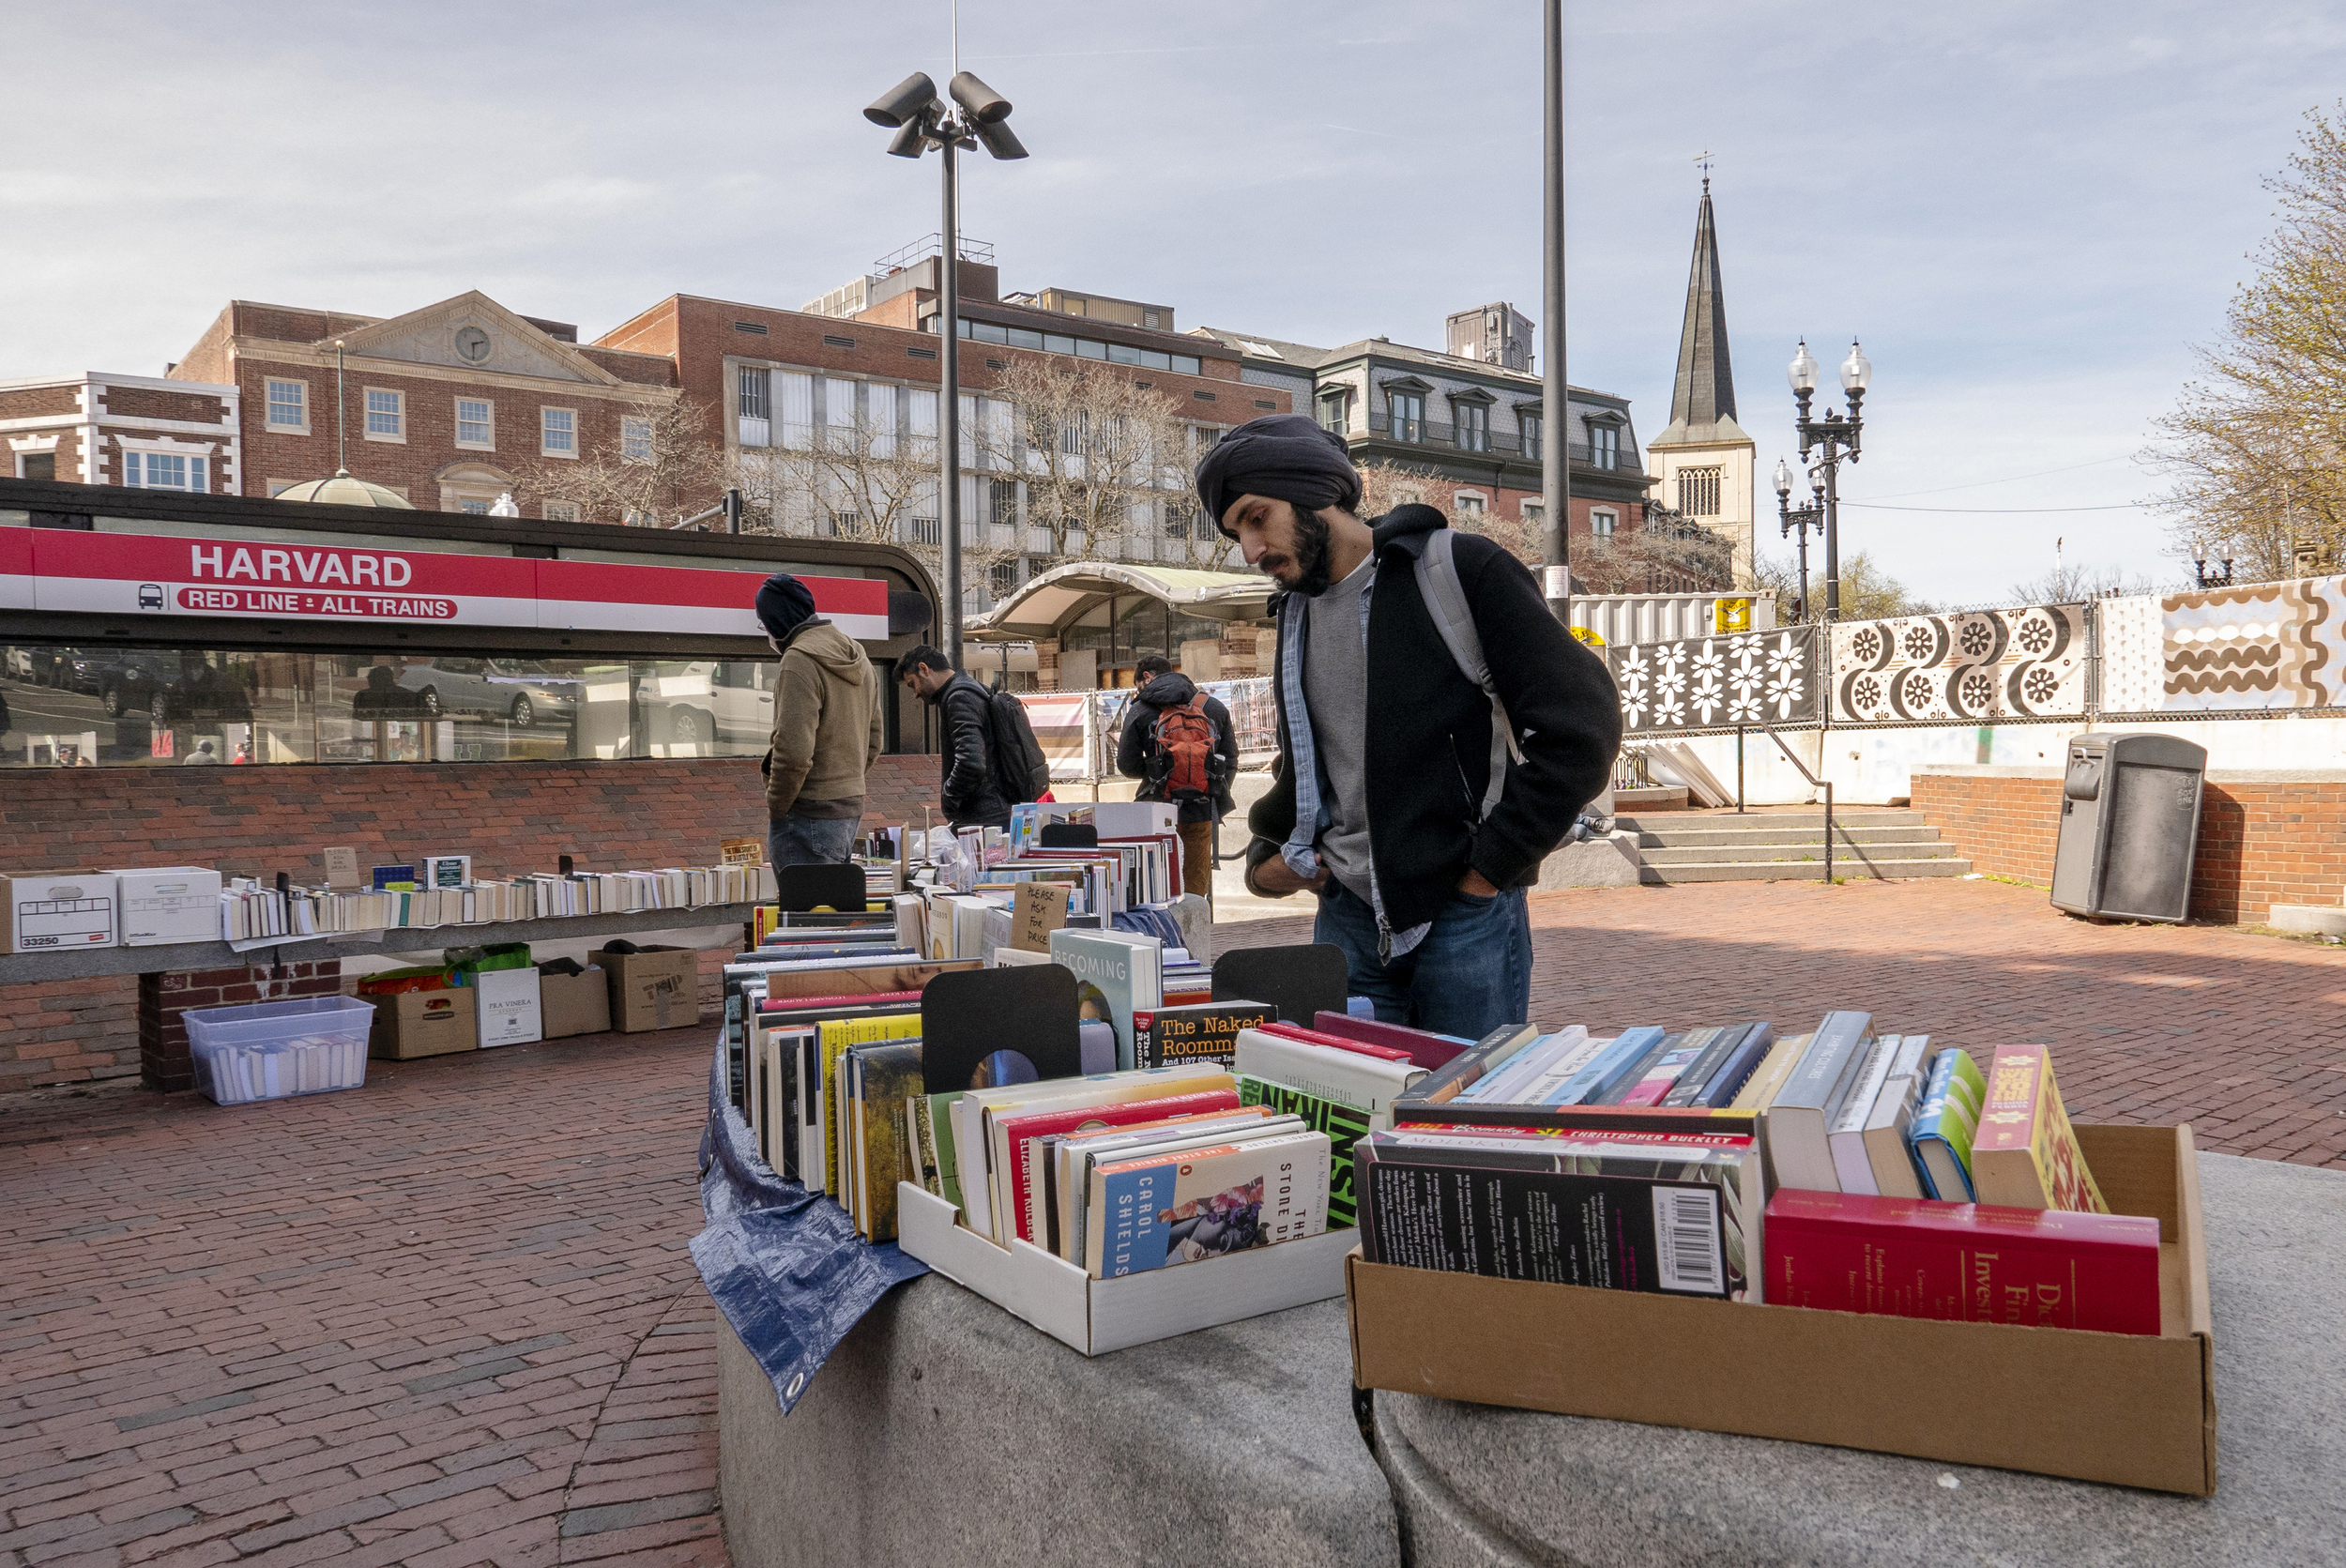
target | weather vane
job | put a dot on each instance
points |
(1703, 161)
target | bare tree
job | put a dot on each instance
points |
(2071, 585)
(2257, 445)
(667, 462)
(1093, 447)
(1867, 592)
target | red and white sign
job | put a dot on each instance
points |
(135, 574)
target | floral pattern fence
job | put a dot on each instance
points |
(1715, 682)
(1964, 668)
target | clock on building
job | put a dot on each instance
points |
(472, 344)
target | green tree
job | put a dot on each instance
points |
(2253, 447)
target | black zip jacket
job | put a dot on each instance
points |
(1429, 729)
(1136, 746)
(969, 794)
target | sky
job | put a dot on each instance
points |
(2031, 213)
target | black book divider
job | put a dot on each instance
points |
(982, 1028)
(800, 889)
(1301, 980)
(1070, 835)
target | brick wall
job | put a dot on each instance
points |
(511, 817)
(2260, 843)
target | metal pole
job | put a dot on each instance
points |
(1555, 407)
(1738, 770)
(949, 407)
(1832, 534)
(733, 510)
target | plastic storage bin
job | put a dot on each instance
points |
(276, 1050)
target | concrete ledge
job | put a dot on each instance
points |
(1612, 861)
(1495, 1488)
(2314, 920)
(943, 1430)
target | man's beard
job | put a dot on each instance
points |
(1311, 554)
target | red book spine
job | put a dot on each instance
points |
(1315, 1037)
(864, 999)
(1426, 1050)
(1022, 1132)
(1963, 1262)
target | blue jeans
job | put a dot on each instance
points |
(808, 841)
(1471, 973)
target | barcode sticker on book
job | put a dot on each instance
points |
(1686, 1239)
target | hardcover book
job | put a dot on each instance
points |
(1962, 1262)
(1800, 1120)
(1945, 1124)
(1889, 1149)
(886, 1077)
(1018, 1140)
(1207, 1031)
(1117, 975)
(1155, 1213)
(1852, 1168)
(1425, 1048)
(1347, 1077)
(2024, 1154)
(1344, 1125)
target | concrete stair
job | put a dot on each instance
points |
(1781, 845)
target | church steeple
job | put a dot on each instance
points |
(1702, 403)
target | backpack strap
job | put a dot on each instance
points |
(1445, 600)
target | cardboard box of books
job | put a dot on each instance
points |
(44, 912)
(413, 1024)
(575, 1004)
(169, 904)
(653, 988)
(1932, 1261)
(505, 1006)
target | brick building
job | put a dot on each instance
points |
(139, 430)
(445, 405)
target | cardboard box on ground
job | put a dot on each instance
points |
(506, 1006)
(411, 1023)
(653, 988)
(575, 1004)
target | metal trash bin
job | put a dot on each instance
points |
(2129, 822)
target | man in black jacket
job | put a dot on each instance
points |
(1381, 803)
(1163, 687)
(971, 796)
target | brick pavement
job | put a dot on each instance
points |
(449, 1319)
(2243, 1036)
(446, 1320)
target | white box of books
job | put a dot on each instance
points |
(1097, 1316)
(509, 1013)
(168, 903)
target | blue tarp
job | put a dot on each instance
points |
(782, 1264)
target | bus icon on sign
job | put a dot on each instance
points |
(150, 596)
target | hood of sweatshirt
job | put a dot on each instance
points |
(1171, 690)
(829, 647)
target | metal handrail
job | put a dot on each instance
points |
(1813, 783)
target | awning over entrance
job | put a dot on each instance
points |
(1064, 595)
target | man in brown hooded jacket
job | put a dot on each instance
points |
(827, 730)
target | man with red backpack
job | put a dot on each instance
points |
(1179, 742)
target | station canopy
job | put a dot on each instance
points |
(1067, 595)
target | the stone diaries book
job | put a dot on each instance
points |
(1963, 1262)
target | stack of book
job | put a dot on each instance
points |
(1838, 1168)
(250, 910)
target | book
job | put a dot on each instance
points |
(1347, 1077)
(1117, 975)
(1479, 1060)
(1607, 1068)
(971, 1132)
(1662, 1070)
(1679, 1214)
(1963, 1262)
(1344, 1125)
(1851, 1167)
(1543, 1065)
(1337, 1042)
(1018, 1140)
(1076, 1155)
(1760, 1090)
(1799, 1121)
(1945, 1124)
(834, 1037)
(1157, 1211)
(1203, 1033)
(887, 1076)
(1887, 1148)
(2025, 1155)
(1428, 1049)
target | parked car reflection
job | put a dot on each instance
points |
(705, 703)
(515, 691)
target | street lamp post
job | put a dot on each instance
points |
(2198, 567)
(1837, 436)
(921, 120)
(1803, 518)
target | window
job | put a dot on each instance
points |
(1470, 504)
(1209, 436)
(289, 406)
(164, 471)
(1001, 579)
(37, 465)
(927, 530)
(1604, 446)
(1534, 512)
(1181, 520)
(1473, 432)
(635, 438)
(1407, 411)
(1331, 412)
(561, 511)
(1001, 502)
(557, 432)
(1698, 491)
(1602, 524)
(386, 415)
(476, 423)
(754, 404)
(475, 507)
(1533, 432)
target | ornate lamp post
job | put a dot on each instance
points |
(2198, 567)
(1803, 518)
(1837, 436)
(921, 120)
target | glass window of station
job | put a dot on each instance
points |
(145, 708)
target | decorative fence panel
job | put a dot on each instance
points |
(1713, 682)
(2268, 646)
(1974, 667)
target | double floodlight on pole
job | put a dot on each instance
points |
(921, 120)
(1835, 438)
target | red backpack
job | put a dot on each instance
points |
(1185, 766)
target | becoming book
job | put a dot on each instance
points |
(1118, 973)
